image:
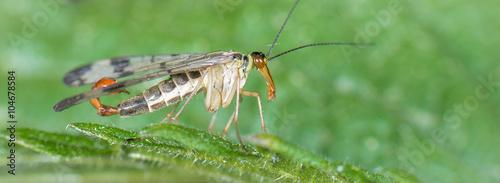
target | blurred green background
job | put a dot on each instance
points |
(419, 100)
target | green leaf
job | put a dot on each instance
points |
(297, 154)
(123, 137)
(60, 145)
(111, 134)
(203, 153)
(398, 175)
(196, 139)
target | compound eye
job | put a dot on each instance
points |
(259, 59)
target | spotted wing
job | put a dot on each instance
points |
(192, 63)
(125, 66)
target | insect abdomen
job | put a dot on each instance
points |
(165, 93)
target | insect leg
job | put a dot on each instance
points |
(256, 95)
(104, 110)
(236, 114)
(169, 115)
(191, 95)
(212, 122)
(228, 124)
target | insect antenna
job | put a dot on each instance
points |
(319, 44)
(305, 46)
(283, 26)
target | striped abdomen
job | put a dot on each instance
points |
(165, 93)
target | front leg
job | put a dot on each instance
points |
(256, 95)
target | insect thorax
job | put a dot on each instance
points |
(223, 80)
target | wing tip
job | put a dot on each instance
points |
(57, 108)
(70, 101)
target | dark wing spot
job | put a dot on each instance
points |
(74, 77)
(120, 63)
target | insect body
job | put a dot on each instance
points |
(220, 74)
